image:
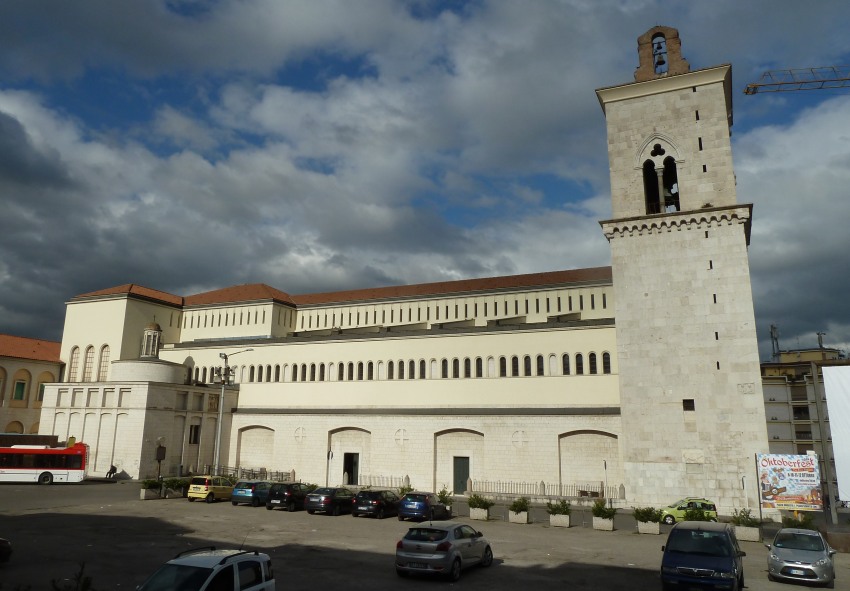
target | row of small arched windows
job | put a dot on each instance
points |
(89, 371)
(478, 367)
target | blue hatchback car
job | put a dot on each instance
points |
(421, 506)
(253, 492)
(702, 554)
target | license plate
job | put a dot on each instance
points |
(361, 508)
(797, 572)
(275, 501)
(417, 565)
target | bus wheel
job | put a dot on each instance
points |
(45, 478)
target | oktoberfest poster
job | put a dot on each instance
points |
(790, 482)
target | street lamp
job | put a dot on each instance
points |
(225, 378)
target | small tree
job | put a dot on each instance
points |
(445, 496)
(697, 515)
(519, 505)
(562, 507)
(744, 519)
(403, 490)
(804, 521)
(476, 501)
(647, 514)
(600, 509)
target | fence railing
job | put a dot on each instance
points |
(543, 489)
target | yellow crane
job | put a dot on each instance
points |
(824, 78)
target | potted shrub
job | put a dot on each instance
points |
(518, 511)
(804, 521)
(175, 487)
(648, 520)
(151, 489)
(445, 497)
(479, 507)
(603, 516)
(746, 526)
(559, 513)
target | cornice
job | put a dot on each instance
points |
(688, 220)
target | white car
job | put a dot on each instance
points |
(441, 549)
(208, 569)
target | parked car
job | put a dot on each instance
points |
(329, 500)
(288, 495)
(441, 549)
(800, 555)
(422, 505)
(253, 492)
(5, 550)
(676, 511)
(209, 488)
(702, 554)
(378, 503)
(208, 568)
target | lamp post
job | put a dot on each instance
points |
(225, 378)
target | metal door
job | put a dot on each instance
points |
(461, 474)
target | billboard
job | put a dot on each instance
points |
(789, 482)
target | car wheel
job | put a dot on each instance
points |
(400, 518)
(454, 572)
(191, 499)
(310, 511)
(380, 514)
(336, 510)
(45, 478)
(487, 559)
(234, 503)
(209, 498)
(669, 519)
(402, 573)
(255, 502)
(269, 507)
(291, 507)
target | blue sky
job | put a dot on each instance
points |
(325, 145)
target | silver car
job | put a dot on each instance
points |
(800, 555)
(441, 549)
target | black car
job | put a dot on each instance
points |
(287, 495)
(378, 503)
(330, 500)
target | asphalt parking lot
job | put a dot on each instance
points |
(121, 540)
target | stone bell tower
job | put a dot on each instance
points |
(690, 383)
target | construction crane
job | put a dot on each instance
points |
(829, 77)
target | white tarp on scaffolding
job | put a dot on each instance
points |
(836, 383)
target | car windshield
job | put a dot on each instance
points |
(323, 491)
(198, 480)
(706, 543)
(371, 494)
(419, 498)
(796, 541)
(425, 534)
(177, 577)
(677, 503)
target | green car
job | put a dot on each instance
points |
(676, 511)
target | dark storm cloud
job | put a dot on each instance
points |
(21, 163)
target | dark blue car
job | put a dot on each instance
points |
(702, 554)
(420, 506)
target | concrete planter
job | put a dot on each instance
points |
(479, 514)
(521, 517)
(747, 534)
(603, 524)
(649, 527)
(174, 493)
(146, 494)
(559, 520)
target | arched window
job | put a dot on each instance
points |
(670, 183)
(401, 370)
(579, 364)
(303, 372)
(467, 367)
(412, 373)
(294, 372)
(389, 370)
(659, 53)
(445, 368)
(514, 366)
(277, 373)
(370, 371)
(606, 363)
(341, 373)
(591, 361)
(251, 374)
(526, 365)
(74, 364)
(204, 376)
(103, 369)
(650, 187)
(360, 371)
(540, 365)
(259, 373)
(479, 367)
(503, 367)
(455, 368)
(350, 371)
(88, 364)
(421, 369)
(312, 372)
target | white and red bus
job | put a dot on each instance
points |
(43, 464)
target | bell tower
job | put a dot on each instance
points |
(690, 384)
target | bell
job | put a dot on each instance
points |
(660, 61)
(657, 47)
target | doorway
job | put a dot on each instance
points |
(461, 474)
(350, 467)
